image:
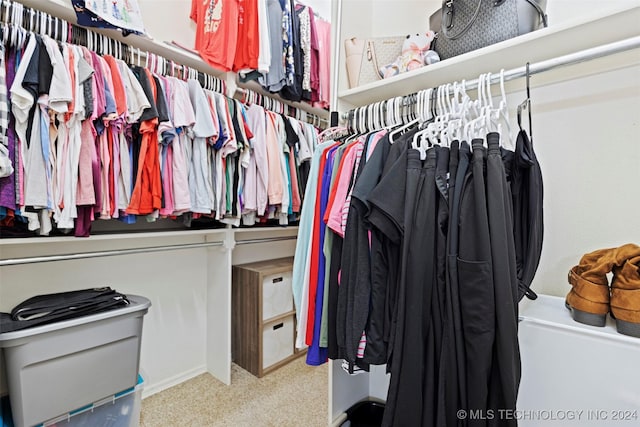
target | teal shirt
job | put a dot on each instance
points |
(305, 228)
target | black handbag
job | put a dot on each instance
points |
(466, 25)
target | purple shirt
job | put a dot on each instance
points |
(8, 183)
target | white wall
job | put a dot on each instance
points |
(563, 10)
(586, 137)
(321, 7)
(168, 20)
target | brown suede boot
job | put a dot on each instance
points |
(589, 297)
(625, 297)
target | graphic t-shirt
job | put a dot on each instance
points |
(216, 31)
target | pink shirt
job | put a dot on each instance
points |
(342, 187)
(167, 167)
(339, 209)
(275, 185)
(85, 193)
(256, 123)
(323, 31)
(358, 159)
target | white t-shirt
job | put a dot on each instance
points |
(183, 117)
(199, 183)
(137, 100)
(60, 90)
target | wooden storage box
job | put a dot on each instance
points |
(264, 319)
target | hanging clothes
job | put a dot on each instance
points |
(94, 138)
(275, 79)
(417, 263)
(147, 190)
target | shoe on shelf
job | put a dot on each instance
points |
(588, 300)
(625, 297)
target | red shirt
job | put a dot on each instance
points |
(147, 192)
(216, 31)
(316, 250)
(248, 46)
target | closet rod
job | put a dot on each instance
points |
(265, 240)
(564, 60)
(557, 62)
(100, 254)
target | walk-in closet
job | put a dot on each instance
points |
(319, 213)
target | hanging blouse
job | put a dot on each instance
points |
(276, 78)
(248, 44)
(305, 44)
(216, 31)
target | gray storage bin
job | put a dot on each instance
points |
(55, 368)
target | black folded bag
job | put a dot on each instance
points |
(44, 309)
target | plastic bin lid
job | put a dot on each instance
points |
(138, 304)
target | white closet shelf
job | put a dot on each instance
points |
(217, 232)
(111, 237)
(255, 87)
(289, 229)
(63, 9)
(550, 42)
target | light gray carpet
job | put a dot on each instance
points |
(293, 395)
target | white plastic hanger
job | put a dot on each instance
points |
(393, 135)
(389, 112)
(7, 6)
(421, 140)
(16, 19)
(471, 128)
(369, 118)
(377, 115)
(31, 18)
(6, 23)
(503, 113)
(373, 119)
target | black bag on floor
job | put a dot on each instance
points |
(43, 309)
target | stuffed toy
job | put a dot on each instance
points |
(415, 54)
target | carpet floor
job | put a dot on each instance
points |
(293, 395)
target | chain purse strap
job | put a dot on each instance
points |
(371, 55)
